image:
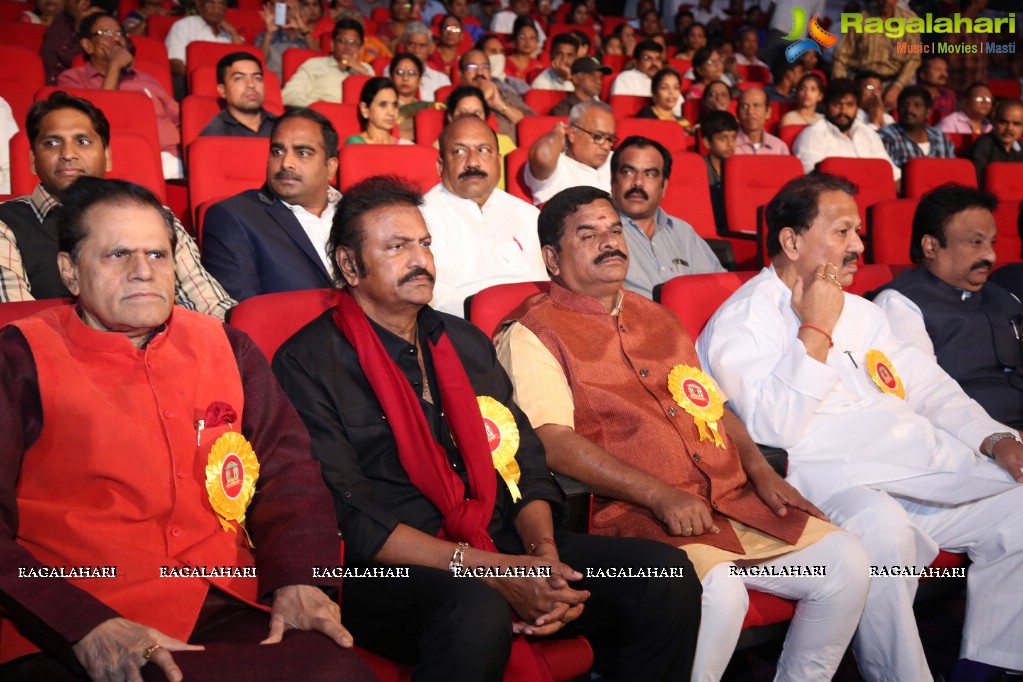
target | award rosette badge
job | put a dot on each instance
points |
(503, 439)
(881, 370)
(697, 394)
(231, 474)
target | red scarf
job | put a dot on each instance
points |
(425, 460)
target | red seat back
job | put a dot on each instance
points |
(271, 319)
(1004, 179)
(514, 174)
(1008, 88)
(789, 133)
(542, 101)
(923, 174)
(19, 83)
(199, 53)
(669, 133)
(1007, 245)
(625, 106)
(20, 34)
(416, 163)
(202, 81)
(158, 26)
(487, 308)
(196, 113)
(872, 276)
(891, 226)
(751, 181)
(688, 193)
(532, 128)
(351, 88)
(429, 123)
(225, 166)
(19, 310)
(695, 298)
(873, 177)
(344, 117)
(293, 58)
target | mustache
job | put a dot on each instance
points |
(472, 173)
(637, 192)
(851, 258)
(609, 254)
(416, 272)
(982, 263)
(286, 175)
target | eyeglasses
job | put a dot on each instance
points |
(649, 57)
(107, 33)
(477, 67)
(870, 87)
(406, 72)
(982, 99)
(347, 41)
(712, 62)
(599, 138)
(453, 29)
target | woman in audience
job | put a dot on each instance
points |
(467, 100)
(44, 13)
(626, 34)
(613, 45)
(716, 97)
(650, 25)
(666, 89)
(579, 15)
(693, 39)
(445, 56)
(406, 72)
(708, 68)
(972, 120)
(522, 62)
(378, 112)
(809, 94)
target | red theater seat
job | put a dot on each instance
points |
(891, 224)
(923, 174)
(416, 163)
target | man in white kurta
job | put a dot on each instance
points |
(908, 475)
(575, 154)
(481, 236)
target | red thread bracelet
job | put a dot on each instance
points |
(831, 344)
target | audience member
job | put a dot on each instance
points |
(209, 25)
(522, 62)
(44, 13)
(972, 120)
(751, 137)
(648, 58)
(481, 235)
(862, 51)
(933, 75)
(468, 100)
(295, 32)
(785, 78)
(661, 246)
(445, 57)
(948, 309)
(111, 66)
(666, 88)
(693, 38)
(708, 67)
(136, 21)
(274, 238)
(719, 130)
(626, 34)
(418, 40)
(506, 104)
(240, 84)
(587, 80)
(406, 72)
(809, 95)
(1003, 142)
(320, 78)
(878, 436)
(558, 75)
(101, 509)
(575, 154)
(967, 59)
(60, 41)
(506, 21)
(407, 495)
(650, 25)
(402, 12)
(597, 397)
(70, 138)
(871, 111)
(910, 137)
(839, 133)
(748, 44)
(378, 113)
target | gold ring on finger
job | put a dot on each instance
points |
(148, 652)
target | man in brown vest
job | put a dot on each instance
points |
(613, 386)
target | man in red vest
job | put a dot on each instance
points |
(134, 436)
(613, 386)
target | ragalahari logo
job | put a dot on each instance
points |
(819, 37)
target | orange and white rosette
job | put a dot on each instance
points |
(231, 474)
(696, 393)
(503, 439)
(881, 370)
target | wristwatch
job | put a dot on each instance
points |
(987, 448)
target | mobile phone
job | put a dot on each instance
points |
(280, 14)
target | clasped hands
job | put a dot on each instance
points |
(116, 649)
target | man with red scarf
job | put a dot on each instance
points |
(434, 468)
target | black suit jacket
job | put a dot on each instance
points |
(253, 244)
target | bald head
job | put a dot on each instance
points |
(470, 163)
(753, 111)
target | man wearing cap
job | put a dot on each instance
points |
(587, 80)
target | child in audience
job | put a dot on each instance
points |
(719, 129)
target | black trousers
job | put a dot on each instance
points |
(452, 629)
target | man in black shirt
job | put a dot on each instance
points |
(427, 475)
(240, 84)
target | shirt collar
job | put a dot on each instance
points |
(42, 201)
(429, 324)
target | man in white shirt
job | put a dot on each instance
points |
(878, 435)
(418, 40)
(320, 78)
(648, 58)
(747, 46)
(208, 25)
(275, 238)
(839, 133)
(576, 154)
(482, 236)
(564, 48)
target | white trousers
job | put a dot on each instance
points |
(904, 532)
(829, 609)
